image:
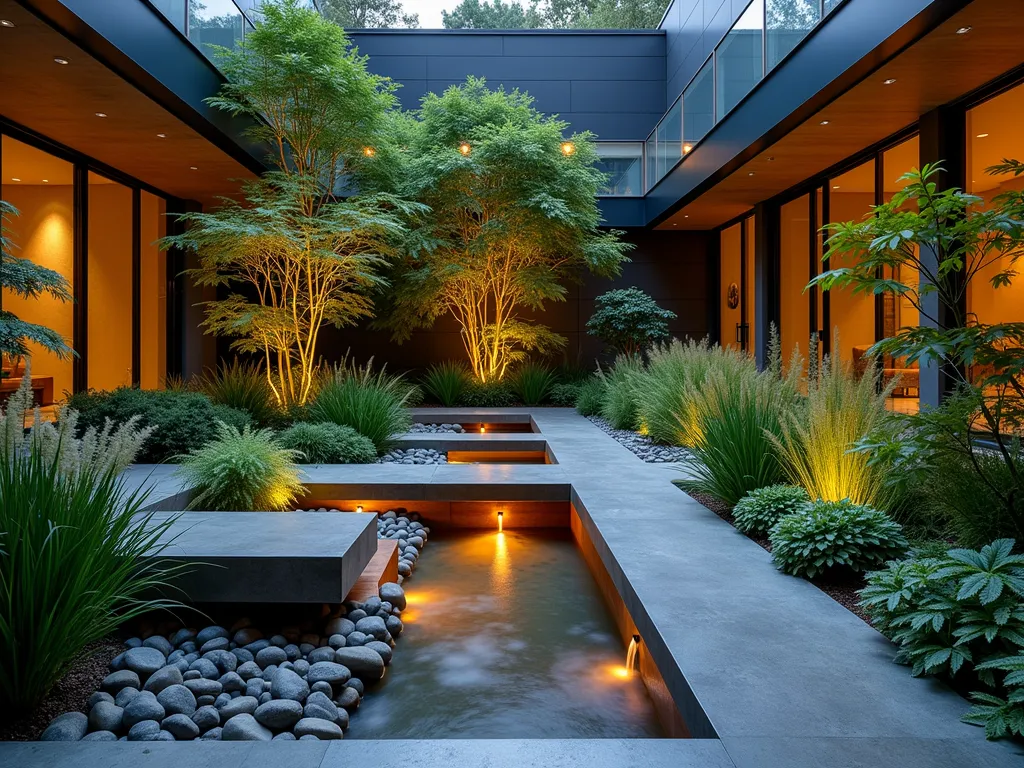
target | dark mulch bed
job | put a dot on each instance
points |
(71, 693)
(843, 591)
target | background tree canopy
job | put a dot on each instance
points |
(555, 14)
(368, 14)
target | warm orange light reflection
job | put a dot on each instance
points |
(359, 508)
(369, 151)
(616, 670)
(686, 149)
(500, 521)
(409, 616)
(482, 430)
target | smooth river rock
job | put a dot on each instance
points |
(320, 729)
(245, 728)
(144, 661)
(364, 663)
(288, 685)
(279, 714)
(71, 726)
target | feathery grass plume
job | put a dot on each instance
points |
(532, 383)
(242, 470)
(819, 432)
(372, 403)
(78, 558)
(327, 443)
(621, 401)
(242, 386)
(446, 382)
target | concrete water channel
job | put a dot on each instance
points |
(746, 668)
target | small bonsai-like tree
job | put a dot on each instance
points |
(295, 254)
(29, 280)
(514, 217)
(947, 239)
(629, 321)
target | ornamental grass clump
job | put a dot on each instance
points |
(372, 403)
(565, 394)
(762, 508)
(819, 432)
(590, 397)
(833, 537)
(532, 383)
(327, 443)
(78, 558)
(242, 470)
(446, 382)
(621, 400)
(243, 387)
(960, 616)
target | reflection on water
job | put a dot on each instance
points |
(506, 636)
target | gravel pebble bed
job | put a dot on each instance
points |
(641, 445)
(414, 456)
(246, 682)
(449, 428)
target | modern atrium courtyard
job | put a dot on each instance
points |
(507, 383)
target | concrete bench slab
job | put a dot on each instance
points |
(270, 557)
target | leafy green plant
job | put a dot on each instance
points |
(590, 399)
(762, 508)
(244, 387)
(28, 280)
(372, 403)
(78, 557)
(446, 382)
(629, 321)
(241, 471)
(959, 616)
(180, 420)
(565, 394)
(734, 412)
(327, 443)
(490, 394)
(620, 404)
(827, 537)
(532, 383)
(819, 431)
(513, 217)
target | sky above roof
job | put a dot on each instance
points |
(429, 11)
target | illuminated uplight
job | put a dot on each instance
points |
(687, 148)
(359, 508)
(483, 430)
(369, 151)
(568, 148)
(464, 148)
(501, 518)
(616, 670)
(60, 60)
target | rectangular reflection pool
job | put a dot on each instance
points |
(506, 636)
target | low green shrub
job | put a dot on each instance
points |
(959, 616)
(629, 321)
(372, 403)
(532, 383)
(71, 569)
(327, 443)
(242, 470)
(445, 383)
(180, 420)
(244, 387)
(565, 394)
(620, 405)
(491, 394)
(591, 396)
(832, 537)
(762, 508)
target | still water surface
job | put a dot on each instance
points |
(506, 636)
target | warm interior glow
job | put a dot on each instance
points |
(464, 148)
(501, 517)
(482, 430)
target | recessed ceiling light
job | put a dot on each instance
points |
(61, 60)
(101, 114)
(6, 23)
(686, 215)
(161, 135)
(771, 159)
(46, 181)
(15, 179)
(750, 174)
(982, 135)
(964, 30)
(890, 81)
(835, 186)
(674, 224)
(823, 122)
(193, 168)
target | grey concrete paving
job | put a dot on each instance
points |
(774, 668)
(269, 557)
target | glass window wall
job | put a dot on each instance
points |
(651, 158)
(41, 187)
(623, 162)
(699, 105)
(739, 59)
(787, 22)
(212, 23)
(670, 139)
(795, 272)
(152, 294)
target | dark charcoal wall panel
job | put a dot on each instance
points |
(610, 83)
(671, 266)
(693, 28)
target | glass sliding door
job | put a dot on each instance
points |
(796, 266)
(736, 286)
(152, 294)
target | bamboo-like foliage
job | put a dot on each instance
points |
(818, 435)
(77, 559)
(514, 218)
(295, 256)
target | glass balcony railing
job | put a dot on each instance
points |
(623, 161)
(210, 22)
(765, 33)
